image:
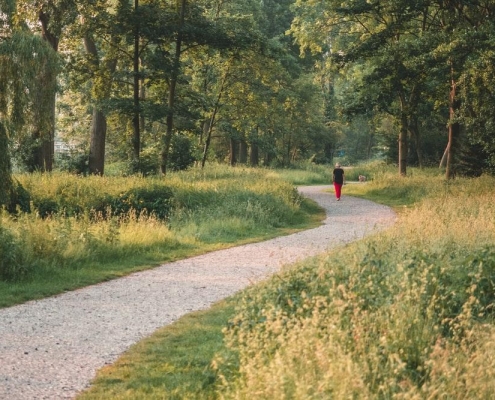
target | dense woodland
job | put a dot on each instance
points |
(162, 84)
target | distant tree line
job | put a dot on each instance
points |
(162, 84)
(423, 69)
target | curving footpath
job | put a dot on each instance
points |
(52, 348)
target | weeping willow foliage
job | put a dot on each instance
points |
(28, 69)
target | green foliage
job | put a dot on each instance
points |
(73, 162)
(46, 207)
(20, 199)
(181, 154)
(153, 200)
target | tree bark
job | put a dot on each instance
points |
(171, 93)
(254, 157)
(5, 167)
(233, 152)
(403, 137)
(443, 161)
(44, 153)
(97, 143)
(210, 124)
(243, 152)
(454, 129)
(98, 134)
(136, 132)
(416, 136)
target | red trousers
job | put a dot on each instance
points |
(338, 189)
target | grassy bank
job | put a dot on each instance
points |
(81, 231)
(407, 313)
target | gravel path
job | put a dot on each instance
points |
(51, 349)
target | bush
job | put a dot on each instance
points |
(156, 200)
(180, 157)
(45, 207)
(20, 200)
(73, 162)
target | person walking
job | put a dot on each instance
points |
(338, 180)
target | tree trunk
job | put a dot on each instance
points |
(5, 167)
(254, 158)
(443, 161)
(243, 152)
(97, 144)
(403, 145)
(98, 135)
(233, 152)
(210, 124)
(415, 134)
(171, 94)
(403, 136)
(136, 132)
(43, 158)
(454, 129)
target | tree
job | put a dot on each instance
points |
(24, 57)
(51, 17)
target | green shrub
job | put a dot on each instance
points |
(20, 199)
(75, 162)
(181, 156)
(156, 200)
(45, 206)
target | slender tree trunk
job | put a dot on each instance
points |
(243, 151)
(99, 121)
(171, 94)
(43, 157)
(233, 152)
(454, 129)
(208, 139)
(136, 132)
(403, 138)
(443, 161)
(254, 157)
(415, 134)
(210, 124)
(5, 167)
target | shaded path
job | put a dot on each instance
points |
(51, 348)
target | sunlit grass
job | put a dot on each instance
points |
(181, 369)
(213, 208)
(404, 314)
(389, 317)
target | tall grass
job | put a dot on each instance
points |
(405, 314)
(84, 230)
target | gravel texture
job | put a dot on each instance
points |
(52, 348)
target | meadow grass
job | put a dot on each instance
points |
(45, 254)
(406, 314)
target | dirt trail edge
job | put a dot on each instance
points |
(52, 348)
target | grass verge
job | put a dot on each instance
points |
(174, 363)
